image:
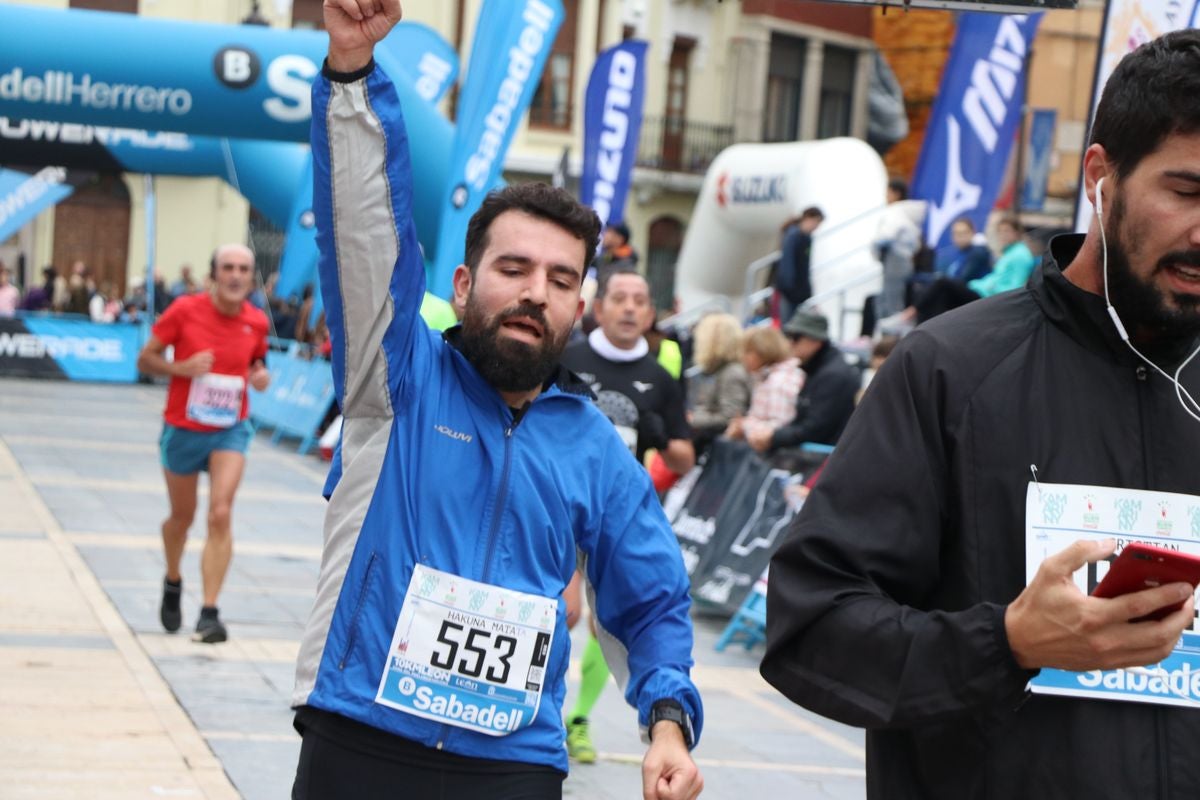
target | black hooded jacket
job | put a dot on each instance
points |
(886, 602)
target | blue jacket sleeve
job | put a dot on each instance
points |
(640, 587)
(371, 271)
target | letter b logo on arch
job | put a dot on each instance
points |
(236, 67)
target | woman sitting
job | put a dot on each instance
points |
(777, 381)
(721, 392)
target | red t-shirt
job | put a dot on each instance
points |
(218, 400)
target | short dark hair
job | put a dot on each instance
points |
(1149, 96)
(812, 212)
(540, 200)
(899, 186)
(606, 279)
(965, 221)
(620, 229)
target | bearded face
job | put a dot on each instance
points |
(1147, 289)
(510, 364)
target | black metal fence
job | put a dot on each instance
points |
(681, 145)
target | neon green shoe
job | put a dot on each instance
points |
(579, 743)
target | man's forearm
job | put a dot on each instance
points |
(156, 364)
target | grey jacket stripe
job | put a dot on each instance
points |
(367, 248)
(616, 655)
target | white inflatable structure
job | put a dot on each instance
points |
(752, 189)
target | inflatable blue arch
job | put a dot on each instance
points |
(234, 101)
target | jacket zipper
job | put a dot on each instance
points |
(362, 596)
(501, 502)
(1164, 771)
(1142, 374)
(493, 533)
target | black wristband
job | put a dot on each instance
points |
(672, 711)
(346, 77)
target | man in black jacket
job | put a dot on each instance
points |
(826, 400)
(899, 601)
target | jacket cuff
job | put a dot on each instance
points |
(347, 77)
(1010, 659)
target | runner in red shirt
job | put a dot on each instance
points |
(220, 342)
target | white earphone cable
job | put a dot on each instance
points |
(1181, 393)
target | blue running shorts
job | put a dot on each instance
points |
(186, 452)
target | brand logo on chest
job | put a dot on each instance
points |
(453, 434)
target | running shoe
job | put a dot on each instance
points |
(168, 611)
(209, 629)
(579, 743)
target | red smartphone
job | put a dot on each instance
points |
(1144, 566)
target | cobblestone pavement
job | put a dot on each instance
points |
(88, 515)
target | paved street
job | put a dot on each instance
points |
(97, 701)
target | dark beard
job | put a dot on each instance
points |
(1140, 304)
(509, 365)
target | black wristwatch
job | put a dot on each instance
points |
(672, 711)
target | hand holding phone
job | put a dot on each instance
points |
(1143, 566)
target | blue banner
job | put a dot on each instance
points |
(507, 58)
(23, 196)
(611, 123)
(299, 397)
(242, 81)
(1041, 152)
(974, 121)
(38, 346)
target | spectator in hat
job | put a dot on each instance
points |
(616, 253)
(825, 403)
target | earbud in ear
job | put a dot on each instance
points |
(1100, 199)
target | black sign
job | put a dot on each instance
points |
(735, 515)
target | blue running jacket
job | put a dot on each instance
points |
(433, 470)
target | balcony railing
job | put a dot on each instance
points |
(681, 145)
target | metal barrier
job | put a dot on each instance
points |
(300, 394)
(752, 295)
(684, 320)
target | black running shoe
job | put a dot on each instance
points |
(209, 629)
(168, 612)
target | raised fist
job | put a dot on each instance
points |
(354, 26)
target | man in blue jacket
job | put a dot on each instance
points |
(473, 473)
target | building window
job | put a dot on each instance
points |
(662, 253)
(551, 106)
(675, 118)
(785, 82)
(123, 6)
(837, 91)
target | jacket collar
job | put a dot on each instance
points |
(821, 358)
(1083, 315)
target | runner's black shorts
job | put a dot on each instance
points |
(342, 758)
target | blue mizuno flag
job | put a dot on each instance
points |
(971, 130)
(612, 121)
